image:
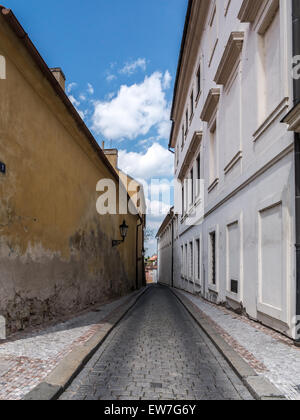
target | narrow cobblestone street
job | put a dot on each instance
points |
(157, 352)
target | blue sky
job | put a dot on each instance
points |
(120, 59)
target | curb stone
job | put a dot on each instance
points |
(259, 387)
(62, 376)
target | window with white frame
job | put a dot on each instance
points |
(192, 186)
(198, 164)
(198, 260)
(182, 260)
(272, 65)
(232, 104)
(192, 105)
(198, 81)
(186, 261)
(213, 32)
(186, 121)
(191, 261)
(213, 153)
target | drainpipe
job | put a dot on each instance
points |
(137, 256)
(296, 51)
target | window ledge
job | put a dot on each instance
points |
(233, 162)
(213, 288)
(213, 53)
(234, 297)
(198, 97)
(271, 119)
(213, 185)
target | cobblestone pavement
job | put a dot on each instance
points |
(157, 352)
(27, 358)
(268, 352)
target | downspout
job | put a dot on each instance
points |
(137, 256)
(296, 52)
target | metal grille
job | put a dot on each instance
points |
(234, 286)
(213, 257)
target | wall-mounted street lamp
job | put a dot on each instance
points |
(123, 231)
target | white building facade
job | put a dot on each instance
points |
(233, 89)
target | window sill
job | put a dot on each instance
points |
(198, 97)
(213, 288)
(213, 185)
(234, 297)
(233, 162)
(213, 53)
(271, 119)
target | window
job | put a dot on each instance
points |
(198, 259)
(191, 262)
(272, 65)
(192, 186)
(213, 33)
(213, 265)
(232, 132)
(183, 204)
(187, 194)
(213, 153)
(233, 258)
(186, 261)
(182, 261)
(183, 137)
(186, 121)
(198, 172)
(198, 77)
(272, 278)
(192, 105)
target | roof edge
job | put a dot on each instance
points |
(16, 26)
(183, 42)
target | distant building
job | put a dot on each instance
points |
(233, 91)
(151, 270)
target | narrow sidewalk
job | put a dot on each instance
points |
(26, 359)
(269, 353)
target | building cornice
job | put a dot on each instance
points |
(292, 119)
(249, 10)
(194, 27)
(211, 104)
(231, 55)
(190, 155)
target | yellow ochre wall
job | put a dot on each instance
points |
(56, 255)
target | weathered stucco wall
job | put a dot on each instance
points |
(56, 255)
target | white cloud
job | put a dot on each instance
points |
(167, 80)
(156, 162)
(110, 95)
(82, 97)
(164, 129)
(71, 86)
(110, 77)
(131, 68)
(157, 208)
(134, 111)
(90, 89)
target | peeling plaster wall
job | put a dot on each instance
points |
(56, 255)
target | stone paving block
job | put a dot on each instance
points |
(155, 349)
